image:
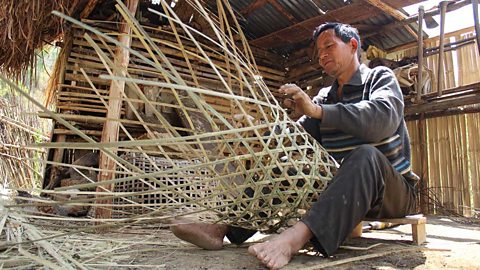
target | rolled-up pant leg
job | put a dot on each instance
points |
(366, 184)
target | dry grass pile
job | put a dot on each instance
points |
(29, 241)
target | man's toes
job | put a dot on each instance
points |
(252, 250)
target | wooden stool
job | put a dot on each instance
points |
(418, 222)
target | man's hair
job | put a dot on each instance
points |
(345, 32)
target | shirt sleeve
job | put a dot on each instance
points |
(370, 120)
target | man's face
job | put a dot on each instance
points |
(334, 55)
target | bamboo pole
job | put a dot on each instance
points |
(424, 184)
(421, 11)
(443, 10)
(111, 128)
(476, 22)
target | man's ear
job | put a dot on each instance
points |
(354, 44)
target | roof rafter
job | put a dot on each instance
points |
(395, 13)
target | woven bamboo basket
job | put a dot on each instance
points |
(219, 150)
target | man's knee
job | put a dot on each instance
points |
(366, 150)
(364, 156)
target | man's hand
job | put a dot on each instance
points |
(300, 102)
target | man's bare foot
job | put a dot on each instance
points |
(204, 235)
(278, 252)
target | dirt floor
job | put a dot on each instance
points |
(451, 244)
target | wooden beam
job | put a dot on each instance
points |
(443, 113)
(303, 31)
(88, 9)
(111, 128)
(385, 8)
(253, 6)
(470, 97)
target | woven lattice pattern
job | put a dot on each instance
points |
(214, 144)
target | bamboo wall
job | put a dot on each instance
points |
(453, 156)
(452, 172)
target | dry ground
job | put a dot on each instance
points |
(451, 244)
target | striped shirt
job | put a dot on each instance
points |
(370, 111)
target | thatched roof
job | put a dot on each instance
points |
(27, 26)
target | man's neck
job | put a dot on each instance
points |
(348, 74)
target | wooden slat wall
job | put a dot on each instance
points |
(76, 96)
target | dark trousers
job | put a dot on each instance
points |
(366, 185)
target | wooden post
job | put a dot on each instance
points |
(111, 127)
(443, 11)
(421, 11)
(477, 24)
(422, 138)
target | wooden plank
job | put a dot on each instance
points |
(111, 128)
(419, 234)
(413, 219)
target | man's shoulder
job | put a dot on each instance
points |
(381, 70)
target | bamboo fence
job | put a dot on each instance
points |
(20, 166)
(452, 171)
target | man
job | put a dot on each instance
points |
(360, 123)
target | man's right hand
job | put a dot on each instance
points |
(298, 101)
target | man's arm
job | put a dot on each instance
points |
(370, 120)
(312, 125)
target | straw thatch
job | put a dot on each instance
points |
(26, 27)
